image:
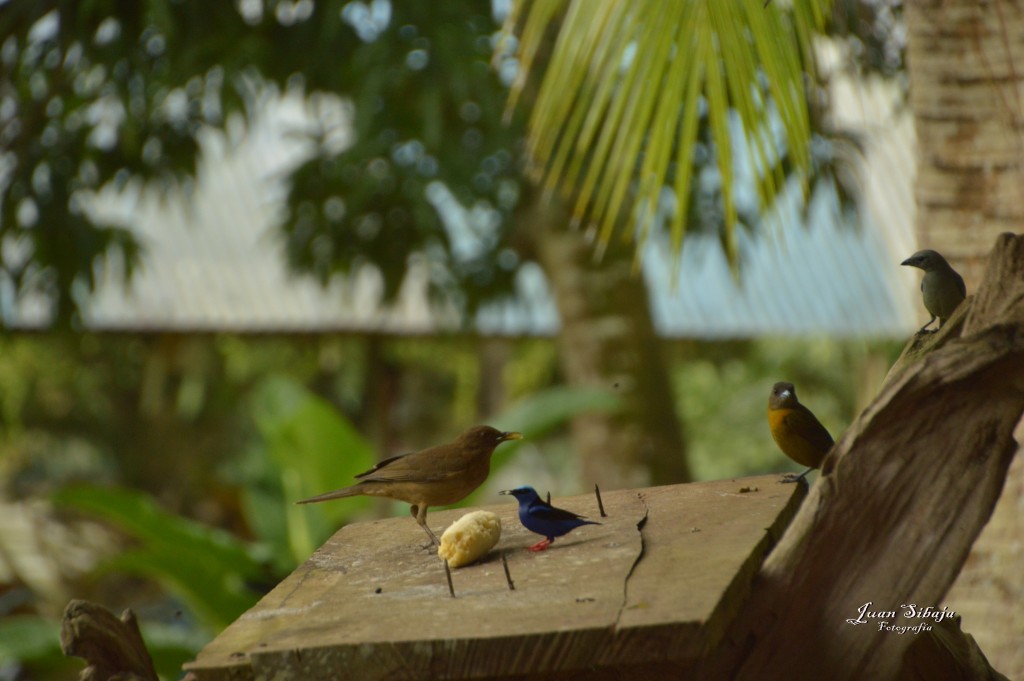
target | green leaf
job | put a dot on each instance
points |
(28, 637)
(542, 412)
(208, 568)
(311, 449)
(171, 646)
(34, 642)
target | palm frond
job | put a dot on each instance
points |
(617, 113)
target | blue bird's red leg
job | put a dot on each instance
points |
(541, 545)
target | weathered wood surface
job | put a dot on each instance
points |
(902, 497)
(656, 584)
(921, 344)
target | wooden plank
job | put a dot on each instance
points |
(703, 544)
(372, 604)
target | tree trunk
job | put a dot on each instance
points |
(989, 591)
(901, 499)
(607, 340)
(966, 70)
(965, 61)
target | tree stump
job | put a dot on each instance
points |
(113, 647)
(902, 497)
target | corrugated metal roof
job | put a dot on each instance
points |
(218, 264)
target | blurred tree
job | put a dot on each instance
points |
(607, 341)
(101, 92)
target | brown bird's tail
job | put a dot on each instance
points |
(352, 491)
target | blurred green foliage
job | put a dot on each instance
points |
(101, 93)
(273, 422)
(722, 395)
(208, 568)
(543, 412)
(306, 448)
(280, 419)
(34, 641)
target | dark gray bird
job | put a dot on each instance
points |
(942, 288)
(438, 476)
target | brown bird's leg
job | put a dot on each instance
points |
(420, 513)
(790, 477)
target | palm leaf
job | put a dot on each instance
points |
(617, 112)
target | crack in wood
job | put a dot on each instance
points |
(632, 568)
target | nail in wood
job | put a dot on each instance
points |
(448, 574)
(508, 575)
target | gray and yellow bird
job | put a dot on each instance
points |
(796, 430)
(437, 476)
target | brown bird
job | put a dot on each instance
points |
(437, 476)
(796, 431)
(942, 288)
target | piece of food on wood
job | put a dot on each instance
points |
(469, 538)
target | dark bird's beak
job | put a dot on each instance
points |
(910, 261)
(505, 491)
(511, 436)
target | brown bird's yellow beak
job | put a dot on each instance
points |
(511, 436)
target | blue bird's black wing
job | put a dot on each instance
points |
(544, 512)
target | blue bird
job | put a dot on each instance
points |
(538, 516)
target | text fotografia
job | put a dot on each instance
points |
(886, 619)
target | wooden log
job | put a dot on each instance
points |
(112, 647)
(923, 342)
(902, 497)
